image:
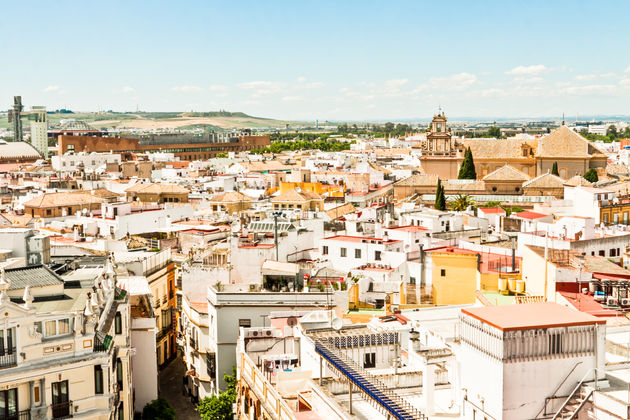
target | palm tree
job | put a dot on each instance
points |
(462, 202)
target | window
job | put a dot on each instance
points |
(343, 252)
(612, 252)
(443, 272)
(325, 250)
(369, 360)
(377, 255)
(9, 404)
(357, 253)
(118, 323)
(625, 217)
(119, 373)
(53, 327)
(48, 212)
(606, 219)
(245, 323)
(7, 343)
(602, 253)
(98, 379)
(412, 280)
(616, 218)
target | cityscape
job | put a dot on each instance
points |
(315, 211)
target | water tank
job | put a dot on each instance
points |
(502, 284)
(520, 286)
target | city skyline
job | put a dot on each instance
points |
(326, 61)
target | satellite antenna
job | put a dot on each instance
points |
(292, 321)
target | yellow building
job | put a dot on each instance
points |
(454, 275)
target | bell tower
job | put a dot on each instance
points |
(439, 139)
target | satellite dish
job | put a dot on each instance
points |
(337, 323)
(292, 321)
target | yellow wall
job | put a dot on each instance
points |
(459, 282)
(315, 187)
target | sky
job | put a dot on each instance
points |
(324, 60)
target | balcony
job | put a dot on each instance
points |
(62, 410)
(20, 415)
(192, 343)
(8, 358)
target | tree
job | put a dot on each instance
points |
(554, 169)
(494, 131)
(440, 198)
(219, 407)
(591, 175)
(462, 202)
(467, 170)
(158, 409)
(611, 132)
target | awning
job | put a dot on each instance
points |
(277, 268)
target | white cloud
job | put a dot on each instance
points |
(528, 80)
(51, 88)
(218, 88)
(585, 77)
(591, 90)
(456, 82)
(313, 85)
(528, 70)
(128, 89)
(627, 70)
(301, 79)
(291, 98)
(187, 88)
(396, 83)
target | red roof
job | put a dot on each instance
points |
(531, 215)
(586, 303)
(531, 316)
(492, 210)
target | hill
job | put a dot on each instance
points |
(215, 120)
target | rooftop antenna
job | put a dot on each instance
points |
(563, 118)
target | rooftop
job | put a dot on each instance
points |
(531, 316)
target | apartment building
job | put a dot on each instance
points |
(64, 347)
(159, 270)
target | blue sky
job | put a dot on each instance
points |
(320, 59)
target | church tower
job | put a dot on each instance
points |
(439, 139)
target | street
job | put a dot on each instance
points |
(171, 390)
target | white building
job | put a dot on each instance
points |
(88, 162)
(514, 357)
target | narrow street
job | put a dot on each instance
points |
(171, 389)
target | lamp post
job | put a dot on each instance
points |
(275, 230)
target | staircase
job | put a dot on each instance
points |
(574, 403)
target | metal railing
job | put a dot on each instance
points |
(391, 402)
(20, 415)
(8, 358)
(62, 410)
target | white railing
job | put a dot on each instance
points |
(270, 399)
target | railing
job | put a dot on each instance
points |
(8, 358)
(61, 410)
(192, 343)
(395, 406)
(20, 415)
(577, 389)
(553, 394)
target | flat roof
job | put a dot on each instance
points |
(531, 316)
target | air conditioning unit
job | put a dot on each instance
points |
(599, 296)
(625, 301)
(612, 301)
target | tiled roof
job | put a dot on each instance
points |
(63, 199)
(18, 149)
(295, 196)
(506, 173)
(531, 215)
(499, 148)
(157, 189)
(230, 197)
(577, 180)
(546, 180)
(491, 210)
(34, 276)
(340, 211)
(418, 181)
(564, 142)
